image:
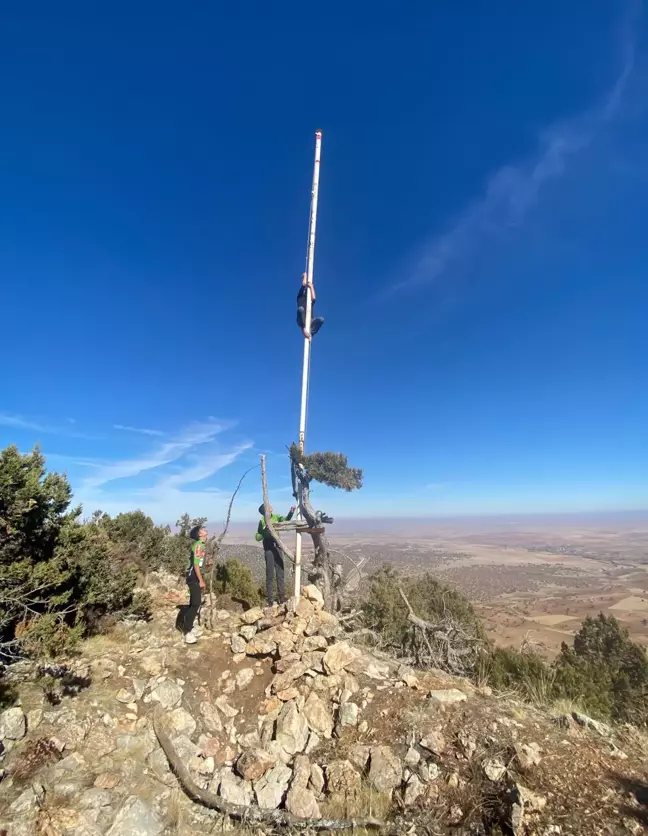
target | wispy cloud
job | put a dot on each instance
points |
(192, 436)
(514, 189)
(140, 430)
(31, 425)
(173, 469)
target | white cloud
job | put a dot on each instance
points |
(514, 189)
(192, 455)
(140, 430)
(20, 423)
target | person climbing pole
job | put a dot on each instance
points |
(195, 582)
(316, 322)
(274, 556)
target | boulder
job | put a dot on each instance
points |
(167, 693)
(292, 729)
(312, 643)
(301, 771)
(248, 631)
(286, 679)
(271, 789)
(317, 782)
(254, 763)
(261, 645)
(253, 615)
(359, 755)
(342, 779)
(234, 789)
(13, 724)
(338, 657)
(385, 769)
(318, 715)
(136, 818)
(302, 803)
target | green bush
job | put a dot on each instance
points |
(58, 576)
(605, 671)
(524, 672)
(233, 578)
(386, 612)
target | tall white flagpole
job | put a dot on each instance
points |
(310, 260)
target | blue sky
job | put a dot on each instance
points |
(481, 257)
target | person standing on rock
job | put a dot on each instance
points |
(195, 582)
(274, 557)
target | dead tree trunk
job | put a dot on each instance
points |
(326, 572)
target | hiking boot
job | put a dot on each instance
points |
(198, 631)
(190, 638)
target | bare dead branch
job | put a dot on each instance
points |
(216, 544)
(268, 516)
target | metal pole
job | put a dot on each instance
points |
(310, 260)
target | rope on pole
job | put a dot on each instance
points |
(310, 263)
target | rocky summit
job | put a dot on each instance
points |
(275, 716)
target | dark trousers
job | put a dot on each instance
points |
(195, 600)
(316, 322)
(274, 561)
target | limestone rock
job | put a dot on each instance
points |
(385, 769)
(210, 717)
(494, 769)
(247, 631)
(253, 615)
(223, 705)
(318, 715)
(181, 722)
(167, 693)
(301, 771)
(413, 757)
(244, 678)
(13, 724)
(434, 742)
(261, 645)
(292, 729)
(235, 789)
(359, 755)
(271, 789)
(527, 755)
(342, 779)
(292, 674)
(302, 803)
(136, 818)
(317, 778)
(447, 696)
(238, 643)
(349, 714)
(124, 696)
(337, 657)
(313, 643)
(413, 790)
(254, 763)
